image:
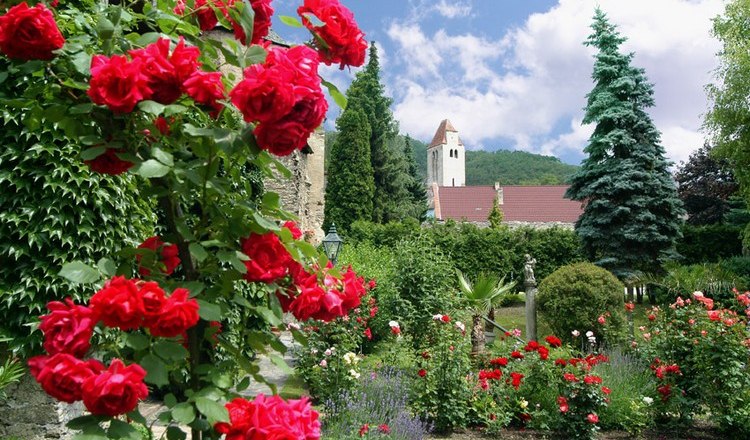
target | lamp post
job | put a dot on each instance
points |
(332, 244)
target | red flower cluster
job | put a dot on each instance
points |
(207, 19)
(591, 379)
(334, 298)
(127, 305)
(562, 402)
(339, 39)
(553, 341)
(269, 260)
(109, 162)
(29, 33)
(270, 417)
(153, 73)
(515, 379)
(501, 361)
(661, 370)
(283, 97)
(167, 253)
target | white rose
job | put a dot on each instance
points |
(354, 374)
(648, 400)
(589, 334)
(328, 352)
(437, 317)
(393, 324)
(575, 333)
(460, 325)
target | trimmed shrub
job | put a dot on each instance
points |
(574, 297)
(709, 243)
(741, 267)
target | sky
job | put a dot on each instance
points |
(514, 74)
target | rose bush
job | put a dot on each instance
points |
(156, 107)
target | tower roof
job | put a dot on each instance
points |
(440, 138)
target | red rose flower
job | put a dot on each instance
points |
(167, 253)
(553, 341)
(531, 346)
(592, 418)
(384, 429)
(166, 73)
(368, 334)
(62, 375)
(516, 379)
(293, 228)
(270, 417)
(269, 259)
(606, 391)
(281, 138)
(67, 328)
(422, 372)
(115, 391)
(364, 429)
(153, 298)
(29, 33)
(570, 377)
(261, 23)
(561, 362)
(177, 314)
(343, 42)
(591, 379)
(206, 88)
(543, 353)
(163, 125)
(118, 304)
(516, 355)
(118, 83)
(266, 93)
(109, 163)
(562, 402)
(445, 318)
(310, 111)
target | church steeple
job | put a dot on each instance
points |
(445, 157)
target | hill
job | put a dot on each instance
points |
(486, 168)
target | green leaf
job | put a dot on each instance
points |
(137, 417)
(281, 363)
(264, 222)
(244, 383)
(314, 20)
(84, 422)
(107, 267)
(233, 258)
(170, 350)
(90, 437)
(170, 400)
(162, 156)
(337, 96)
(93, 153)
(183, 413)
(147, 38)
(255, 55)
(290, 21)
(79, 273)
(214, 411)
(175, 433)
(136, 341)
(121, 430)
(151, 107)
(105, 28)
(208, 311)
(156, 369)
(198, 251)
(81, 109)
(3, 77)
(152, 168)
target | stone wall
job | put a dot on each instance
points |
(304, 194)
(29, 414)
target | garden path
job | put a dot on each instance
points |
(272, 373)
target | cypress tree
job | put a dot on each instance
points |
(416, 186)
(632, 213)
(367, 93)
(496, 215)
(349, 187)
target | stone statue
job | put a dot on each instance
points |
(528, 270)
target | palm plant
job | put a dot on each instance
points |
(486, 291)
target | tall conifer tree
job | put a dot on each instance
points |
(367, 93)
(349, 187)
(416, 186)
(632, 213)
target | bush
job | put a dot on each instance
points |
(579, 297)
(709, 243)
(630, 403)
(740, 266)
(715, 280)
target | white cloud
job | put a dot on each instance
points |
(453, 9)
(529, 85)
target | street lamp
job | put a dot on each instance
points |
(332, 244)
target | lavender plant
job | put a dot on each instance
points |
(376, 408)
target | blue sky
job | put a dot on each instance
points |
(513, 74)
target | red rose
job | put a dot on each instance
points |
(109, 163)
(269, 259)
(270, 417)
(501, 361)
(261, 23)
(310, 111)
(516, 379)
(166, 253)
(543, 353)
(118, 83)
(364, 429)
(67, 328)
(293, 228)
(206, 88)
(422, 372)
(281, 138)
(368, 334)
(445, 318)
(119, 304)
(265, 94)
(206, 17)
(606, 391)
(516, 355)
(570, 377)
(115, 391)
(62, 375)
(165, 72)
(153, 298)
(553, 341)
(531, 346)
(29, 33)
(344, 42)
(384, 429)
(163, 125)
(562, 402)
(561, 362)
(177, 314)
(591, 379)
(592, 418)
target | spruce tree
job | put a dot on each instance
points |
(416, 186)
(367, 93)
(632, 214)
(349, 187)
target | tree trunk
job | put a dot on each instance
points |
(477, 335)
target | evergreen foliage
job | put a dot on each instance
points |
(54, 210)
(632, 213)
(705, 185)
(496, 215)
(350, 186)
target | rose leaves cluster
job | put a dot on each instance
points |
(270, 417)
(29, 33)
(167, 253)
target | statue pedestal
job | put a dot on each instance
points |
(531, 290)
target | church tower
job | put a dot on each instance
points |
(445, 157)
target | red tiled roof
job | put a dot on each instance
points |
(520, 203)
(440, 138)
